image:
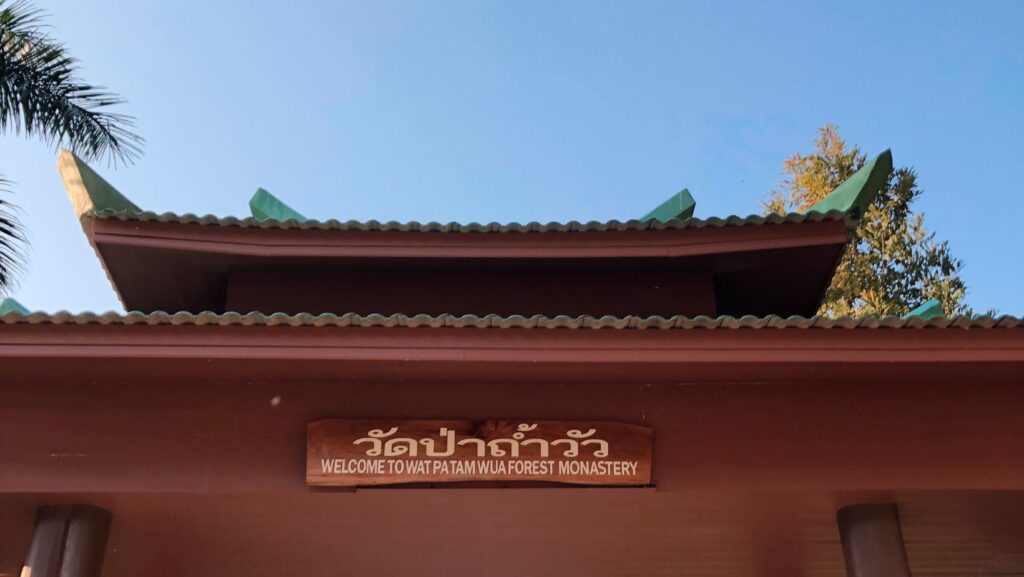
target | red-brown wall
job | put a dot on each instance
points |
(467, 291)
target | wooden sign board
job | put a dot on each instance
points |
(349, 453)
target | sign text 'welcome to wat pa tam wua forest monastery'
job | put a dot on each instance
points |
(381, 452)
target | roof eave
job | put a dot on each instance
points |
(567, 242)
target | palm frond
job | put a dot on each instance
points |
(12, 239)
(41, 95)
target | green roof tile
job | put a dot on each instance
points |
(929, 310)
(856, 193)
(266, 206)
(88, 192)
(9, 305)
(679, 206)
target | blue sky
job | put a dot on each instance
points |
(535, 110)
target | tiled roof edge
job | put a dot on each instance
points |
(393, 226)
(506, 322)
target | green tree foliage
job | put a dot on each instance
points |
(894, 263)
(41, 96)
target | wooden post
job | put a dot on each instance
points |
(68, 541)
(47, 547)
(86, 541)
(872, 541)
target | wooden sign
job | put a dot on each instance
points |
(348, 453)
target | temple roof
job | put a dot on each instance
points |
(92, 196)
(665, 263)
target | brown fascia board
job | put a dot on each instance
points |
(88, 223)
(681, 339)
(333, 243)
(731, 355)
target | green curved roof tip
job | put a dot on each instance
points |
(856, 193)
(679, 206)
(929, 310)
(266, 206)
(9, 305)
(88, 192)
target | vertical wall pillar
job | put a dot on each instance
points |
(68, 541)
(872, 541)
(47, 547)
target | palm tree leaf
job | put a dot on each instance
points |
(12, 239)
(40, 94)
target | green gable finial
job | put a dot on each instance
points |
(857, 193)
(88, 192)
(266, 206)
(9, 305)
(929, 310)
(679, 206)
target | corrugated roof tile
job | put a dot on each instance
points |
(182, 318)
(472, 227)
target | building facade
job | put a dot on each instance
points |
(178, 439)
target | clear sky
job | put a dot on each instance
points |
(535, 110)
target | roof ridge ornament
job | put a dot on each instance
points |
(928, 310)
(9, 305)
(266, 206)
(679, 206)
(88, 192)
(856, 193)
